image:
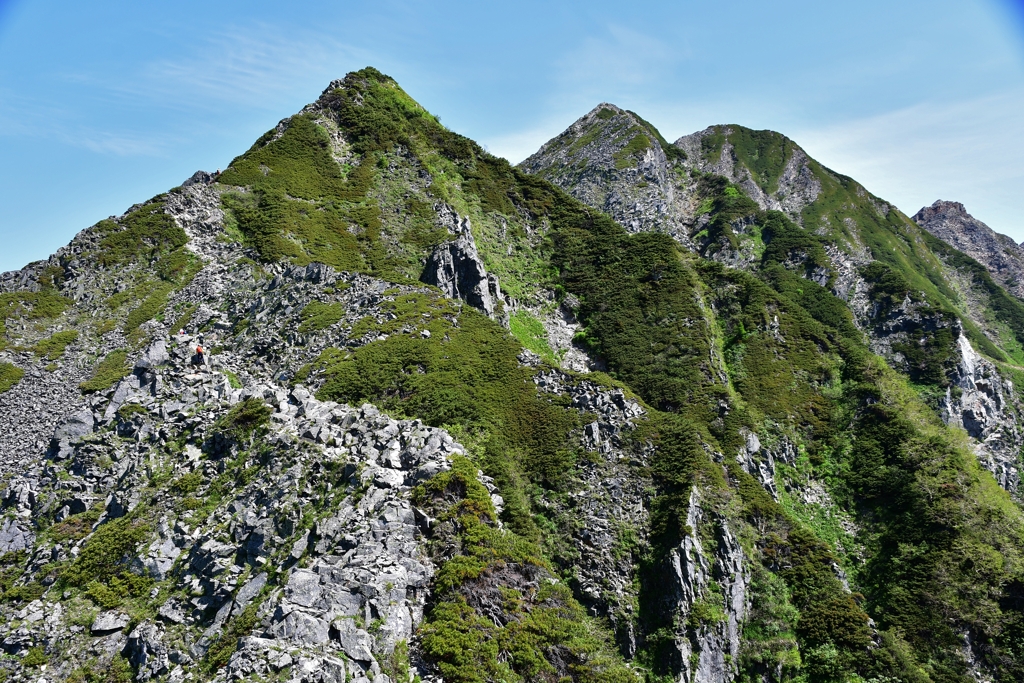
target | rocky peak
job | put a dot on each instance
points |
(769, 167)
(1001, 256)
(616, 161)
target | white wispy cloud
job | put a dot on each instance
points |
(967, 150)
(249, 68)
(27, 118)
(249, 65)
(622, 56)
(105, 142)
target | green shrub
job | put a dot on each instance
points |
(672, 153)
(29, 306)
(468, 646)
(53, 347)
(240, 626)
(245, 421)
(467, 375)
(183, 318)
(108, 372)
(9, 375)
(785, 240)
(232, 379)
(188, 483)
(129, 410)
(140, 236)
(75, 527)
(150, 307)
(107, 553)
(36, 657)
(118, 670)
(117, 589)
(318, 316)
(633, 151)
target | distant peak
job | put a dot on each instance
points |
(605, 110)
(941, 208)
(354, 83)
(948, 207)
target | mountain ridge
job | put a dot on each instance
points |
(660, 450)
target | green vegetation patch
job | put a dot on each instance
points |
(108, 372)
(672, 153)
(150, 307)
(143, 235)
(74, 527)
(545, 634)
(633, 151)
(9, 376)
(318, 316)
(53, 347)
(29, 306)
(302, 207)
(465, 375)
(149, 238)
(531, 334)
(118, 670)
(764, 153)
(102, 567)
(246, 421)
(239, 627)
(1006, 308)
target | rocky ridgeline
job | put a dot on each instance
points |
(310, 537)
(641, 189)
(317, 546)
(324, 541)
(950, 222)
(654, 192)
(797, 186)
(979, 399)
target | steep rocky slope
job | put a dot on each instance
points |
(452, 423)
(950, 222)
(755, 200)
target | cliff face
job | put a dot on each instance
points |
(950, 222)
(450, 422)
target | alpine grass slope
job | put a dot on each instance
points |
(700, 412)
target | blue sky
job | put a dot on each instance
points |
(106, 104)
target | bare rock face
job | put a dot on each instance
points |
(797, 186)
(981, 402)
(710, 649)
(612, 159)
(1004, 258)
(457, 270)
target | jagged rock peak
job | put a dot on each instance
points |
(589, 133)
(1000, 254)
(614, 160)
(769, 167)
(942, 208)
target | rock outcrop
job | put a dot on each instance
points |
(611, 159)
(457, 270)
(1004, 258)
(983, 403)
